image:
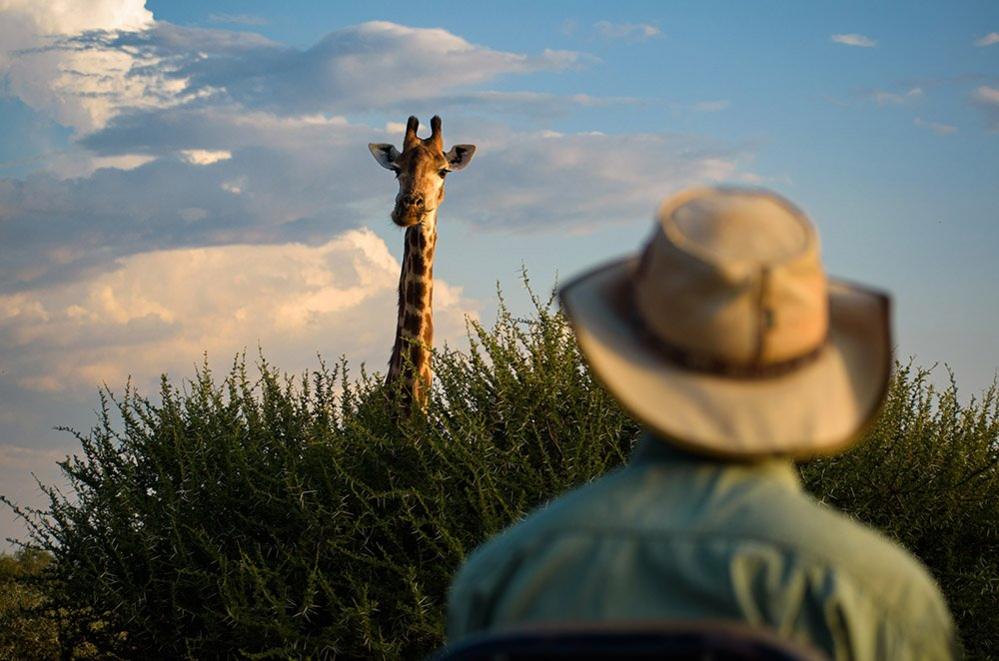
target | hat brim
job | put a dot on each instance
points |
(819, 408)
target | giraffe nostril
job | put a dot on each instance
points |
(412, 200)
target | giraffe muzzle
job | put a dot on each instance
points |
(411, 201)
(409, 210)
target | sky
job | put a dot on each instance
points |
(186, 177)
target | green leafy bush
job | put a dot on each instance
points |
(928, 476)
(26, 632)
(293, 517)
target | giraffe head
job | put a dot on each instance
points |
(420, 169)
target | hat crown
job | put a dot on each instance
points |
(738, 226)
(733, 277)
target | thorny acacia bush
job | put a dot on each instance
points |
(928, 476)
(293, 517)
(26, 632)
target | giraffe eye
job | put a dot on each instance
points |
(443, 172)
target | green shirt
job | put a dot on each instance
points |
(675, 536)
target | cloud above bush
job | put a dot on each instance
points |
(158, 311)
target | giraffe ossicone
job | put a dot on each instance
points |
(420, 169)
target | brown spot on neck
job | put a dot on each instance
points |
(415, 291)
(410, 364)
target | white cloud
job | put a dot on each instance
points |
(627, 31)
(234, 186)
(853, 39)
(987, 98)
(85, 80)
(73, 164)
(307, 178)
(96, 70)
(989, 95)
(883, 98)
(61, 17)
(712, 106)
(75, 86)
(544, 180)
(988, 40)
(936, 127)
(287, 179)
(205, 156)
(159, 311)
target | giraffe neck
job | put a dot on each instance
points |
(414, 333)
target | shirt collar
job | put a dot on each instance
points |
(653, 450)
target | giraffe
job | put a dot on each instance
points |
(420, 170)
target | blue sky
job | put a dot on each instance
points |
(179, 177)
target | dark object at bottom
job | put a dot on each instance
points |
(700, 641)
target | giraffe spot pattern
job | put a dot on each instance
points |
(412, 323)
(414, 292)
(417, 265)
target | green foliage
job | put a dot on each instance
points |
(298, 517)
(928, 476)
(25, 630)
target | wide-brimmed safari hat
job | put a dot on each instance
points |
(725, 336)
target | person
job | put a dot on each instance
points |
(725, 339)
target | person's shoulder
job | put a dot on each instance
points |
(573, 510)
(488, 570)
(879, 567)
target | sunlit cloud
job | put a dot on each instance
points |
(884, 98)
(262, 179)
(205, 156)
(45, 75)
(987, 98)
(70, 168)
(988, 40)
(159, 311)
(627, 31)
(937, 127)
(35, 19)
(989, 95)
(853, 39)
(84, 80)
(521, 179)
(712, 106)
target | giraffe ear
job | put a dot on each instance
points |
(385, 154)
(459, 156)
